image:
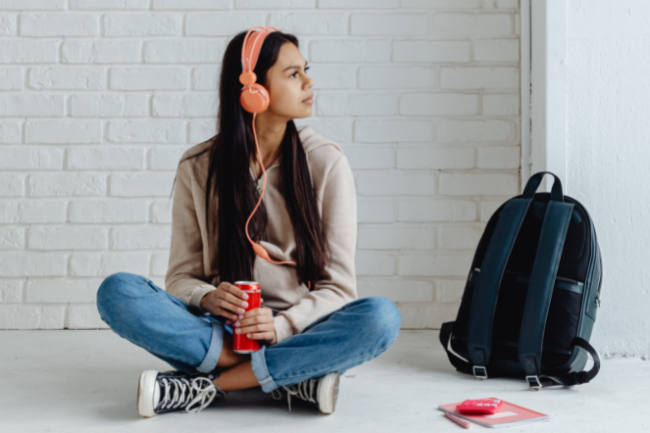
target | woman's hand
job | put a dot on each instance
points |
(257, 324)
(227, 301)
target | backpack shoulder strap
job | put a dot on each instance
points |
(486, 291)
(540, 290)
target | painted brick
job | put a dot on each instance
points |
(453, 131)
(398, 290)
(146, 237)
(67, 237)
(390, 238)
(32, 4)
(32, 211)
(435, 158)
(438, 104)
(222, 23)
(12, 238)
(68, 78)
(159, 264)
(334, 77)
(191, 4)
(441, 4)
(504, 105)
(161, 211)
(10, 78)
(63, 131)
(496, 50)
(9, 131)
(369, 158)
(32, 264)
(118, 158)
(488, 207)
(377, 131)
(441, 264)
(310, 23)
(391, 77)
(431, 51)
(375, 263)
(365, 104)
(459, 237)
(149, 78)
(389, 24)
(472, 77)
(58, 290)
(143, 24)
(478, 184)
(11, 291)
(107, 4)
(350, 51)
(141, 184)
(28, 51)
(450, 290)
(180, 51)
(499, 157)
(101, 51)
(77, 24)
(396, 183)
(185, 105)
(12, 185)
(18, 105)
(437, 210)
(66, 184)
(375, 211)
(103, 264)
(206, 77)
(30, 158)
(107, 211)
(147, 131)
(109, 105)
(85, 317)
(474, 24)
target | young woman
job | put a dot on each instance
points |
(311, 326)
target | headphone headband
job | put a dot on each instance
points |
(252, 45)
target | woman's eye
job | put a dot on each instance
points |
(306, 69)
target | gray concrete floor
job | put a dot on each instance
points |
(86, 381)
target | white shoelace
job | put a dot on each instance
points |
(305, 390)
(175, 393)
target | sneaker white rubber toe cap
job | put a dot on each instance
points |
(328, 391)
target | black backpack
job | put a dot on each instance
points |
(532, 293)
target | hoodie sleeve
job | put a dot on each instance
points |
(338, 285)
(185, 276)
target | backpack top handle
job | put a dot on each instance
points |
(536, 179)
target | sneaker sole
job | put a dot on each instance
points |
(328, 392)
(146, 386)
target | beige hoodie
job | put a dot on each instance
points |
(189, 276)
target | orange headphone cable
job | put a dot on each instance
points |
(257, 247)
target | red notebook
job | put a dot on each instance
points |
(508, 415)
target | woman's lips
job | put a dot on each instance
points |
(309, 100)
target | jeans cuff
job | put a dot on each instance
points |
(214, 351)
(258, 362)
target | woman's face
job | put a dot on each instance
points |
(289, 86)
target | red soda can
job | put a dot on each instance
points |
(240, 342)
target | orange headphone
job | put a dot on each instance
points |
(255, 99)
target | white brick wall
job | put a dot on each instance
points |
(99, 99)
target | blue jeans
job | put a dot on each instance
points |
(141, 312)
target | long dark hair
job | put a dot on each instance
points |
(229, 177)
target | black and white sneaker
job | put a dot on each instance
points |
(161, 392)
(322, 390)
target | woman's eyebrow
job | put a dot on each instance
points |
(294, 66)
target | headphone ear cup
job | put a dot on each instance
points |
(254, 98)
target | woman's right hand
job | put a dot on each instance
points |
(228, 301)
